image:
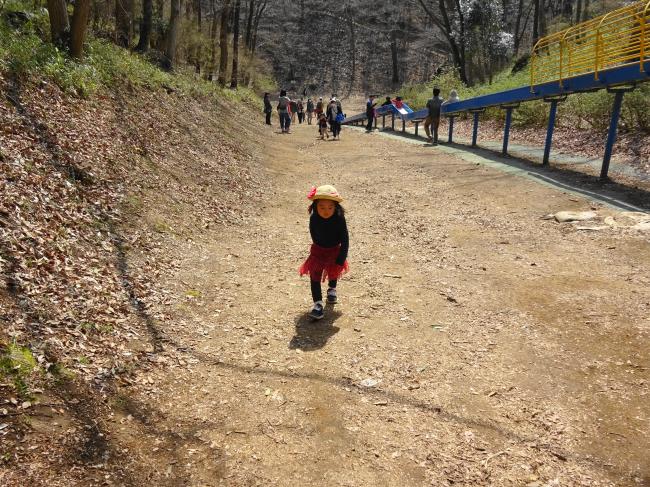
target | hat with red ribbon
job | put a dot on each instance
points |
(324, 192)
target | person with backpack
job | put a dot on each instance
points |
(284, 111)
(319, 106)
(310, 110)
(335, 118)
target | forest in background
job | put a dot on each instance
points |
(365, 45)
(346, 47)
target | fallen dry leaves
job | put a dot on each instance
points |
(81, 244)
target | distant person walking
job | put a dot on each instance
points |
(310, 110)
(338, 105)
(319, 106)
(301, 111)
(268, 109)
(370, 112)
(294, 110)
(333, 117)
(284, 111)
(433, 117)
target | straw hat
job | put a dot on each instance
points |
(324, 192)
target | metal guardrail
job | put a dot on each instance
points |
(617, 38)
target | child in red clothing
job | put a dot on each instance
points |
(329, 251)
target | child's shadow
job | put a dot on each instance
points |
(313, 334)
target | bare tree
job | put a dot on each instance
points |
(172, 32)
(256, 24)
(199, 14)
(213, 41)
(223, 42)
(353, 48)
(80, 17)
(145, 26)
(250, 12)
(235, 46)
(454, 32)
(123, 22)
(59, 22)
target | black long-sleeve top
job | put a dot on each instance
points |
(330, 232)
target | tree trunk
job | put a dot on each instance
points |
(256, 25)
(536, 14)
(542, 18)
(223, 42)
(172, 32)
(578, 11)
(199, 14)
(585, 11)
(145, 27)
(59, 23)
(80, 17)
(353, 52)
(517, 39)
(249, 23)
(213, 42)
(234, 79)
(123, 22)
(393, 54)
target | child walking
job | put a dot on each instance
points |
(329, 250)
(322, 126)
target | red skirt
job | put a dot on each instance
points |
(321, 264)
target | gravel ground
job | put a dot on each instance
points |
(475, 343)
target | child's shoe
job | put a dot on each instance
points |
(317, 311)
(331, 296)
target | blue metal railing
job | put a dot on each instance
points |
(616, 80)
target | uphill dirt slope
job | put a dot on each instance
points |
(94, 195)
(474, 343)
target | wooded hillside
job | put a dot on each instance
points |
(364, 45)
(347, 46)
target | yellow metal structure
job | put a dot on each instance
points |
(614, 39)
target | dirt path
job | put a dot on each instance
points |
(504, 349)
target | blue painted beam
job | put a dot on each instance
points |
(475, 129)
(620, 75)
(587, 82)
(450, 138)
(549, 132)
(611, 134)
(506, 131)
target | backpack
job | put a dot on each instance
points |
(282, 103)
(340, 117)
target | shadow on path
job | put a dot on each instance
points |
(621, 195)
(314, 334)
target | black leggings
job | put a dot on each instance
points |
(316, 291)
